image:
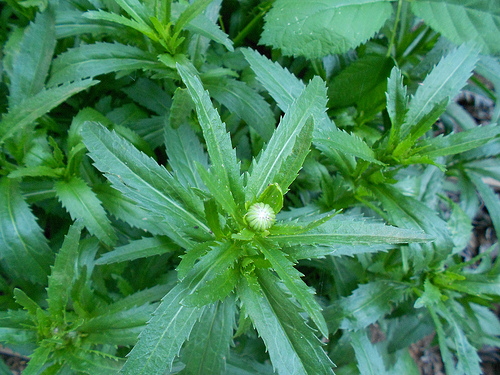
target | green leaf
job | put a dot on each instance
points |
(63, 272)
(359, 79)
(32, 62)
(463, 21)
(180, 110)
(397, 103)
(30, 109)
(330, 141)
(143, 180)
(82, 203)
(266, 168)
(190, 13)
(431, 295)
(93, 362)
(135, 9)
(225, 165)
(216, 289)
(172, 321)
(490, 199)
(102, 15)
(341, 230)
(24, 251)
(408, 212)
(292, 345)
(443, 82)
(283, 86)
(458, 142)
(204, 26)
(292, 280)
(38, 360)
(145, 247)
(370, 361)
(317, 28)
(90, 60)
(208, 346)
(366, 305)
(241, 100)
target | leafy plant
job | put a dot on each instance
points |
(175, 201)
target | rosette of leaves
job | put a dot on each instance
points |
(231, 266)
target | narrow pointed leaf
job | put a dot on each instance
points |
(63, 272)
(143, 180)
(456, 143)
(292, 345)
(145, 247)
(90, 60)
(207, 350)
(32, 62)
(444, 81)
(225, 165)
(397, 103)
(82, 203)
(172, 321)
(350, 232)
(370, 361)
(30, 109)
(311, 102)
(292, 280)
(240, 99)
(102, 15)
(24, 250)
(491, 200)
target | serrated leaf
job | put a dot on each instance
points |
(283, 86)
(203, 26)
(102, 15)
(135, 9)
(189, 14)
(408, 212)
(24, 251)
(463, 21)
(370, 361)
(431, 295)
(63, 272)
(172, 321)
(331, 141)
(94, 363)
(30, 109)
(225, 164)
(37, 360)
(292, 280)
(347, 231)
(184, 150)
(317, 28)
(145, 247)
(444, 81)
(311, 102)
(90, 60)
(241, 100)
(292, 346)
(367, 304)
(397, 103)
(456, 143)
(208, 347)
(215, 289)
(32, 62)
(82, 203)
(143, 180)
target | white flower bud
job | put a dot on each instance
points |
(260, 217)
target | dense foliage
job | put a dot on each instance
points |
(247, 186)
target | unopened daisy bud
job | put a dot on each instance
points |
(260, 217)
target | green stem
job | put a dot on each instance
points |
(249, 27)
(395, 29)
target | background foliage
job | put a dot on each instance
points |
(248, 186)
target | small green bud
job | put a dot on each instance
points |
(260, 217)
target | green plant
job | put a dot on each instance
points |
(155, 217)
